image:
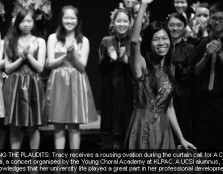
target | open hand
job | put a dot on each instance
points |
(112, 53)
(187, 145)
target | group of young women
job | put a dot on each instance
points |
(146, 76)
(67, 101)
(168, 63)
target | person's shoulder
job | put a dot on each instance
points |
(85, 39)
(52, 36)
(40, 40)
(107, 38)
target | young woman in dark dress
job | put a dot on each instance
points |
(115, 70)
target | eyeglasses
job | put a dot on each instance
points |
(215, 19)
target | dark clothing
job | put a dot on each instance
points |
(184, 59)
(209, 121)
(117, 90)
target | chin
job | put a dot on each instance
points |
(162, 54)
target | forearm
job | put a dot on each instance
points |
(35, 63)
(2, 64)
(138, 23)
(174, 123)
(56, 62)
(201, 66)
(78, 64)
(12, 66)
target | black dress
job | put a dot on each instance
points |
(184, 60)
(209, 108)
(116, 92)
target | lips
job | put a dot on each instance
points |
(162, 49)
(122, 30)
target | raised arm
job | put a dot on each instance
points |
(136, 60)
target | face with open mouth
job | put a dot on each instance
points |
(69, 20)
(160, 43)
(122, 23)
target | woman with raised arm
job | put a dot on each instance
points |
(69, 98)
(23, 89)
(153, 115)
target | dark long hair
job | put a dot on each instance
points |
(60, 32)
(148, 54)
(13, 34)
(177, 16)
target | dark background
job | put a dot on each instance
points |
(95, 15)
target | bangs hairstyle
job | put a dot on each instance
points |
(121, 10)
(178, 16)
(61, 33)
(148, 54)
(13, 34)
(203, 5)
(218, 6)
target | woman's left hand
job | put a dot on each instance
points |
(187, 145)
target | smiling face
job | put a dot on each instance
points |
(216, 21)
(180, 5)
(122, 23)
(176, 28)
(69, 20)
(160, 43)
(26, 25)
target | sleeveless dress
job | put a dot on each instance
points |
(24, 93)
(69, 95)
(149, 126)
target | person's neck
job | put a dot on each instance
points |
(120, 36)
(158, 61)
(176, 40)
(26, 36)
(70, 34)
